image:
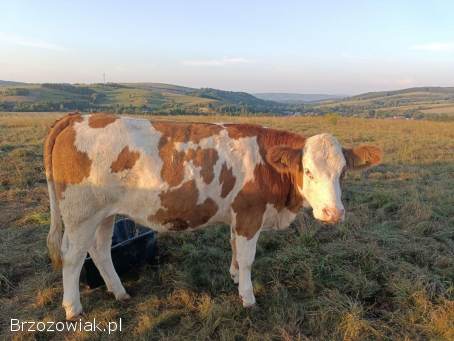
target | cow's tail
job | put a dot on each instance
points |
(55, 236)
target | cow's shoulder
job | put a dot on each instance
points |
(266, 137)
(268, 188)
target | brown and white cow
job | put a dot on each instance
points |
(183, 176)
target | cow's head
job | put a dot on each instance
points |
(318, 169)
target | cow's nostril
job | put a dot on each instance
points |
(326, 212)
(333, 214)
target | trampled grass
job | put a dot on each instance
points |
(386, 273)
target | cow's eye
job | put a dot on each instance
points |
(308, 173)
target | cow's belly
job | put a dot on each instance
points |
(174, 209)
(140, 194)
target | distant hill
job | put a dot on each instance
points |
(294, 98)
(417, 102)
(131, 98)
(9, 83)
(421, 102)
(162, 87)
(430, 91)
(239, 99)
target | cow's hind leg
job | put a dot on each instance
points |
(75, 244)
(234, 268)
(101, 255)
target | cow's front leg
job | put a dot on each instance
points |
(245, 253)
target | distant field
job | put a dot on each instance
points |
(419, 103)
(440, 109)
(386, 273)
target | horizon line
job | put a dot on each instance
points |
(250, 92)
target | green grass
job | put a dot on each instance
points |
(386, 273)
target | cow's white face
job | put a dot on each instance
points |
(322, 164)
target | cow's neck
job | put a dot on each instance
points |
(278, 189)
(294, 198)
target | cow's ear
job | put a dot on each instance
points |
(362, 157)
(284, 159)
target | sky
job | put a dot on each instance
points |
(336, 47)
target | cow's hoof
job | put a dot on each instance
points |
(248, 301)
(123, 297)
(75, 317)
(73, 312)
(249, 305)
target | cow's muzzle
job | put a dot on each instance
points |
(333, 215)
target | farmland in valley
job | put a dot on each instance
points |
(434, 103)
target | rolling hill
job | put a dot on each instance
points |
(419, 102)
(130, 98)
(294, 98)
(9, 83)
(422, 102)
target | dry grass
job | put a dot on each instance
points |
(386, 273)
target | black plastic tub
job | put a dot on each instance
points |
(132, 246)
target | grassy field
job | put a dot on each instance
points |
(386, 273)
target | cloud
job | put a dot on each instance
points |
(434, 47)
(217, 62)
(29, 42)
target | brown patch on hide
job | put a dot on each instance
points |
(269, 185)
(227, 180)
(180, 209)
(204, 158)
(237, 131)
(69, 165)
(266, 137)
(173, 160)
(250, 203)
(187, 132)
(57, 127)
(101, 120)
(172, 170)
(125, 160)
